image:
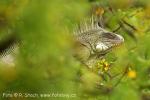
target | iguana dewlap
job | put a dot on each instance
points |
(93, 42)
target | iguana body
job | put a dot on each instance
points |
(8, 51)
(93, 42)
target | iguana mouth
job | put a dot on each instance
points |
(118, 44)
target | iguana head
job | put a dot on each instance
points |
(107, 41)
(94, 40)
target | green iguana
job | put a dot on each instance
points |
(93, 41)
(8, 50)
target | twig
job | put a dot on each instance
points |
(117, 28)
(129, 24)
(126, 70)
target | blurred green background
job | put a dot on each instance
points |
(45, 63)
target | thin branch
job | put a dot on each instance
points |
(126, 70)
(117, 28)
(131, 26)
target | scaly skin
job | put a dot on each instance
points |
(93, 42)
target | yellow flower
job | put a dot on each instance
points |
(102, 66)
(106, 64)
(99, 11)
(106, 68)
(132, 74)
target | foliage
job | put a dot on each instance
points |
(45, 63)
